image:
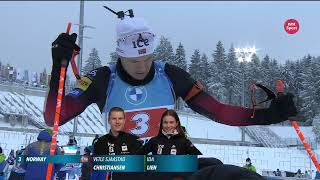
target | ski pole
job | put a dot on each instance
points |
(58, 108)
(74, 66)
(280, 88)
(74, 54)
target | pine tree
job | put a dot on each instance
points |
(164, 51)
(316, 83)
(288, 76)
(215, 87)
(92, 62)
(266, 71)
(218, 73)
(113, 58)
(308, 92)
(275, 73)
(298, 84)
(195, 68)
(219, 59)
(180, 61)
(204, 70)
(232, 80)
(180, 57)
(316, 127)
(254, 67)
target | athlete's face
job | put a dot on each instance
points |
(169, 124)
(138, 67)
(116, 121)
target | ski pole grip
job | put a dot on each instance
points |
(64, 62)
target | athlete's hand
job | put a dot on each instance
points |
(63, 47)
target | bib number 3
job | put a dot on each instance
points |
(141, 121)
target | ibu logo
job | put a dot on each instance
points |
(136, 95)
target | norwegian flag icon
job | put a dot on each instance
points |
(142, 51)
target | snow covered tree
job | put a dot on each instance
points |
(180, 61)
(232, 80)
(219, 58)
(288, 76)
(195, 68)
(218, 73)
(164, 51)
(316, 83)
(180, 57)
(204, 70)
(266, 71)
(215, 87)
(113, 58)
(275, 73)
(92, 62)
(316, 127)
(307, 94)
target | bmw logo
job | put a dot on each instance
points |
(136, 95)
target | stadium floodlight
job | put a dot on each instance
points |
(237, 50)
(253, 50)
(245, 50)
(245, 54)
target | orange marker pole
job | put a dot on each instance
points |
(280, 87)
(306, 145)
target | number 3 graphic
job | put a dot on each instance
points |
(142, 125)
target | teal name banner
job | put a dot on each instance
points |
(123, 163)
(56, 159)
(118, 163)
(169, 163)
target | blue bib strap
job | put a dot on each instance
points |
(112, 78)
(159, 66)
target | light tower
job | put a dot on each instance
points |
(244, 55)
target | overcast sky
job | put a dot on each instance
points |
(28, 28)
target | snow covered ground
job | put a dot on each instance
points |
(289, 134)
(89, 121)
(286, 159)
(200, 127)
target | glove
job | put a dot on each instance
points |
(280, 109)
(283, 106)
(62, 48)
